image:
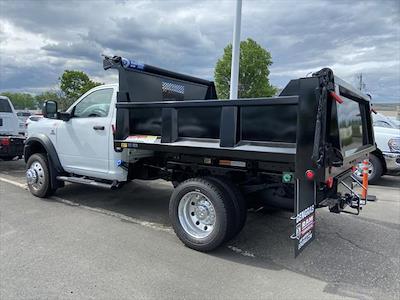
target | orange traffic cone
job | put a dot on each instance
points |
(364, 193)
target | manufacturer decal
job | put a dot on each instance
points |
(301, 215)
(305, 221)
(304, 239)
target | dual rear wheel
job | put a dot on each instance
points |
(206, 212)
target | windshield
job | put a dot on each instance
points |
(5, 106)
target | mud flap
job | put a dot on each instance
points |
(304, 218)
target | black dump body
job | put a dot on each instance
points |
(319, 124)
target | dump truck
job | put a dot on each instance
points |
(295, 151)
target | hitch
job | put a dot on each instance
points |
(352, 199)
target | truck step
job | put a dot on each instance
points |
(81, 180)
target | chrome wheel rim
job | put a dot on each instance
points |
(197, 214)
(359, 170)
(35, 176)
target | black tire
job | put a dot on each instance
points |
(223, 209)
(233, 193)
(175, 183)
(377, 171)
(44, 189)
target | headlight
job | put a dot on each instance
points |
(394, 145)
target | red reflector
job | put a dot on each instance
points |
(310, 174)
(113, 128)
(336, 97)
(5, 141)
(329, 182)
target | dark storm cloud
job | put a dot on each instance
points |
(189, 36)
(83, 49)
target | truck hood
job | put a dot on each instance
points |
(387, 131)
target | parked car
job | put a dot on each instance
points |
(11, 142)
(386, 158)
(22, 117)
(33, 118)
(395, 121)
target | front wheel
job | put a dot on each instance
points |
(375, 169)
(200, 214)
(38, 176)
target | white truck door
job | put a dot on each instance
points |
(83, 141)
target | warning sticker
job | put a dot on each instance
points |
(142, 138)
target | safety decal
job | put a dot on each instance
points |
(142, 138)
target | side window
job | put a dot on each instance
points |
(96, 104)
(5, 106)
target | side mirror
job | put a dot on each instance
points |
(49, 109)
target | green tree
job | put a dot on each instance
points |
(74, 84)
(21, 100)
(48, 95)
(254, 66)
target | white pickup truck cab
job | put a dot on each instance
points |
(11, 143)
(9, 123)
(386, 158)
(84, 143)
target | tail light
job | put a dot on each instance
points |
(310, 175)
(5, 141)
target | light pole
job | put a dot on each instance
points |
(233, 93)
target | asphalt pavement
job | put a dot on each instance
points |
(88, 243)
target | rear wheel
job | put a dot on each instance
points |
(200, 214)
(235, 196)
(38, 176)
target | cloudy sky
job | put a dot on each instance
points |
(40, 39)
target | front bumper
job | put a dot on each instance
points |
(392, 162)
